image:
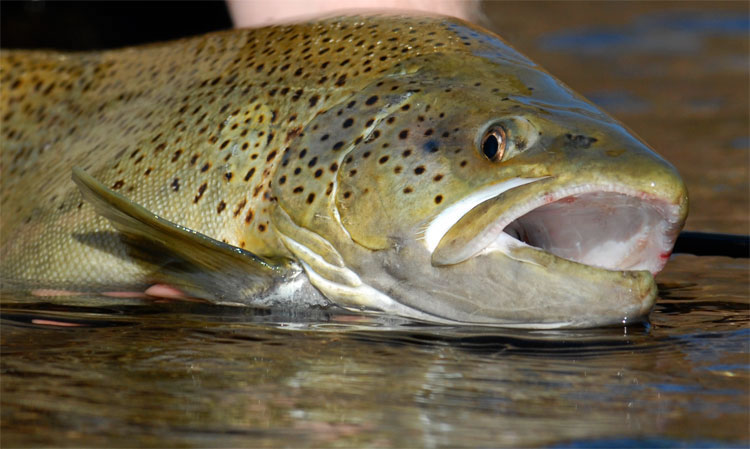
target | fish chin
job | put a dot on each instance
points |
(607, 227)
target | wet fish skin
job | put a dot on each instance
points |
(326, 150)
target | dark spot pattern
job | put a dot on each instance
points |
(230, 102)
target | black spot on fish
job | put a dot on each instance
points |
(201, 190)
(240, 206)
(431, 146)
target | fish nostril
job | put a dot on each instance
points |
(579, 141)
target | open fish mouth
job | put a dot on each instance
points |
(610, 227)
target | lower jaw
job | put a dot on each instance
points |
(603, 297)
(522, 288)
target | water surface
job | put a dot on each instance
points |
(198, 375)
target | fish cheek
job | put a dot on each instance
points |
(360, 202)
(385, 195)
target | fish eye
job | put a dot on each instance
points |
(493, 143)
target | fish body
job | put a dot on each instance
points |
(417, 166)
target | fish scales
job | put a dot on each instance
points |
(376, 160)
(193, 130)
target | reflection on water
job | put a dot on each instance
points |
(660, 32)
(105, 372)
(192, 374)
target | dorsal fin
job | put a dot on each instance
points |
(196, 263)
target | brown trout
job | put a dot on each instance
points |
(418, 167)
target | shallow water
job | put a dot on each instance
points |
(105, 372)
(196, 375)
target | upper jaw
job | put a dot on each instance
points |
(602, 226)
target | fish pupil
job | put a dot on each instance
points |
(490, 146)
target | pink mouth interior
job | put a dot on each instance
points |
(603, 229)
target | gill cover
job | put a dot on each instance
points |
(307, 184)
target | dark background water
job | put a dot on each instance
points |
(90, 25)
(127, 374)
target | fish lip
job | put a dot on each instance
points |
(441, 224)
(495, 237)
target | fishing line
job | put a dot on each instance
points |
(713, 244)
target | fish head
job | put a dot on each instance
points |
(476, 189)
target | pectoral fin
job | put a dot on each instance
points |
(197, 264)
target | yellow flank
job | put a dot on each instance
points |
(192, 130)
